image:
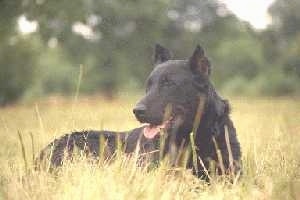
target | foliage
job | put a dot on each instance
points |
(17, 69)
(113, 41)
(286, 33)
(16, 60)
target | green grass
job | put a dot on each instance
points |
(268, 129)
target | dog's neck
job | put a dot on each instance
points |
(215, 109)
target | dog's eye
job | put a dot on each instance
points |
(165, 81)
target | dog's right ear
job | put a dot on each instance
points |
(161, 54)
(199, 62)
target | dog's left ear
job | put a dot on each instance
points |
(199, 62)
(161, 54)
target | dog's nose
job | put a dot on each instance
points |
(139, 111)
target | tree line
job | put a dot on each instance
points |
(113, 41)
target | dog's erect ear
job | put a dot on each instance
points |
(161, 54)
(199, 62)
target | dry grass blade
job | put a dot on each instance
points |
(48, 161)
(23, 150)
(198, 116)
(80, 75)
(32, 147)
(204, 168)
(38, 115)
(194, 152)
(162, 144)
(265, 127)
(219, 155)
(230, 156)
(197, 120)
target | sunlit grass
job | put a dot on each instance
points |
(268, 129)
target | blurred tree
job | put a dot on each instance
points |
(113, 39)
(107, 35)
(286, 30)
(17, 69)
(111, 36)
(17, 55)
(286, 17)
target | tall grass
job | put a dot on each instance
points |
(268, 129)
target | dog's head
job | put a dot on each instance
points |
(174, 90)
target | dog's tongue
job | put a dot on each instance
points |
(150, 131)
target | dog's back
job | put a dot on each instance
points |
(95, 144)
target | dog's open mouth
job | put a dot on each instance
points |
(173, 117)
(151, 130)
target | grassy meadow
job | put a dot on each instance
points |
(268, 129)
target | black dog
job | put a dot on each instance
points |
(181, 103)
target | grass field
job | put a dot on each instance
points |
(268, 129)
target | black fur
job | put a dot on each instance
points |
(183, 86)
(88, 142)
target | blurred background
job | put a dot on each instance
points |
(254, 46)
